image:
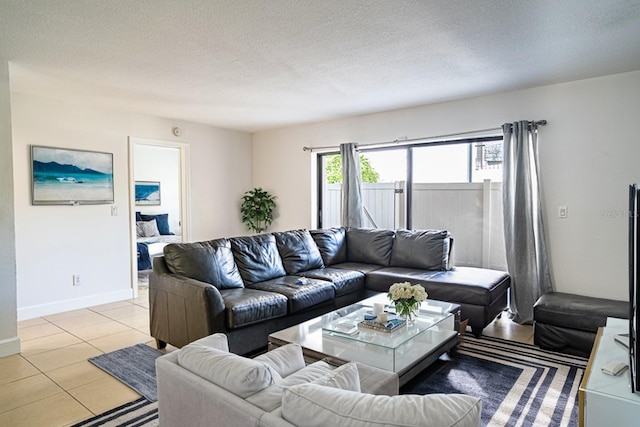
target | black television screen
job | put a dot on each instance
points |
(634, 291)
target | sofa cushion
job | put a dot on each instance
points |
(244, 306)
(316, 405)
(344, 281)
(332, 244)
(257, 258)
(344, 377)
(218, 341)
(211, 262)
(425, 249)
(299, 295)
(464, 285)
(270, 398)
(369, 246)
(285, 360)
(236, 374)
(298, 251)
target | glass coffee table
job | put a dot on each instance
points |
(338, 337)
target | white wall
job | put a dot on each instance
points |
(55, 242)
(589, 153)
(9, 342)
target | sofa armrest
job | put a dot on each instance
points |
(182, 309)
(185, 399)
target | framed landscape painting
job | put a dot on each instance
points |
(147, 193)
(62, 176)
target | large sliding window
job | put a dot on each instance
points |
(453, 185)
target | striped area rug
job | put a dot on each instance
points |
(138, 413)
(519, 384)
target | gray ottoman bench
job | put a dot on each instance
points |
(568, 323)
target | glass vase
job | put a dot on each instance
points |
(408, 310)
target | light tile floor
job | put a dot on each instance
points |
(51, 383)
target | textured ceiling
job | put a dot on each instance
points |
(259, 64)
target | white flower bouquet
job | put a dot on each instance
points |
(407, 298)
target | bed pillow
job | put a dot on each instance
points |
(162, 220)
(147, 229)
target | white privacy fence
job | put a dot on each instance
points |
(472, 212)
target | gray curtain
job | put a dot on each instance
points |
(352, 212)
(523, 227)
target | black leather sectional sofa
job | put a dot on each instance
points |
(248, 287)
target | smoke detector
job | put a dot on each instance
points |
(177, 131)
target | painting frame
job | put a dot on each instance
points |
(147, 193)
(69, 176)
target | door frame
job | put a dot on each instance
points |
(185, 196)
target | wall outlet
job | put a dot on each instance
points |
(563, 213)
(77, 281)
(114, 210)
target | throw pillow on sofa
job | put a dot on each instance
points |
(236, 374)
(345, 377)
(257, 258)
(332, 244)
(369, 246)
(298, 251)
(424, 249)
(285, 360)
(314, 405)
(210, 262)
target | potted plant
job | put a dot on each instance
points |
(257, 209)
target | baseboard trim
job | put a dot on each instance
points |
(40, 310)
(9, 346)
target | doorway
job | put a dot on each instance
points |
(161, 166)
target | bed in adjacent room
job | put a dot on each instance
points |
(152, 235)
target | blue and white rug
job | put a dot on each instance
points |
(519, 384)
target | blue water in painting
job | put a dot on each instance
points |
(57, 186)
(147, 192)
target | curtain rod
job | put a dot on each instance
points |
(426, 138)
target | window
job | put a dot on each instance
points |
(453, 185)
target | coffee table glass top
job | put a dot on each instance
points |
(398, 351)
(345, 322)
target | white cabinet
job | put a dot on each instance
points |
(606, 400)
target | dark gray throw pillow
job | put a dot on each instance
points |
(257, 258)
(369, 246)
(424, 249)
(298, 251)
(332, 244)
(210, 262)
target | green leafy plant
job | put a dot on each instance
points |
(333, 170)
(257, 209)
